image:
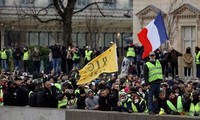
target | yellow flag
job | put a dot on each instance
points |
(104, 63)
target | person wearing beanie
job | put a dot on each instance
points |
(91, 102)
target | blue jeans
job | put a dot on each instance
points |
(55, 64)
(153, 93)
(4, 65)
(16, 64)
(198, 70)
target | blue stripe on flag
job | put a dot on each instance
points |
(159, 23)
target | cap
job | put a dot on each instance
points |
(151, 53)
(90, 90)
(111, 42)
(164, 52)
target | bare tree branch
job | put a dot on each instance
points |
(56, 5)
(48, 20)
(61, 4)
(35, 14)
(100, 10)
(45, 8)
(94, 3)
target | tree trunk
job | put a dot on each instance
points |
(67, 22)
(67, 33)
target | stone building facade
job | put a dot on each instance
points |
(185, 22)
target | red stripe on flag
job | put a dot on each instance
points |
(145, 42)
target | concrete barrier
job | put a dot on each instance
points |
(27, 113)
(30, 113)
(98, 115)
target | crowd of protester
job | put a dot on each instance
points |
(56, 87)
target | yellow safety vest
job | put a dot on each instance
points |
(155, 71)
(62, 103)
(197, 58)
(194, 108)
(75, 56)
(179, 105)
(146, 110)
(124, 104)
(130, 52)
(88, 54)
(3, 55)
(77, 91)
(58, 86)
(134, 108)
(26, 55)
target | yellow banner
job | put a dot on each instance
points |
(104, 63)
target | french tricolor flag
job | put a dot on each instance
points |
(153, 35)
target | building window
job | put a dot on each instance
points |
(52, 38)
(108, 38)
(33, 38)
(81, 39)
(43, 39)
(130, 4)
(81, 3)
(2, 2)
(27, 2)
(111, 4)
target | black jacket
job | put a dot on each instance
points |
(16, 96)
(108, 103)
(46, 98)
(9, 97)
(81, 103)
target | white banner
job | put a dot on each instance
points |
(124, 67)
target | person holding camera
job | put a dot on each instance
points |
(66, 98)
